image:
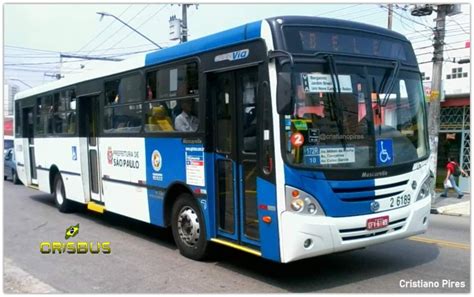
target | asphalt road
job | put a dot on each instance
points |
(144, 258)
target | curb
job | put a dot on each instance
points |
(456, 209)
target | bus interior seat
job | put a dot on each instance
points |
(159, 120)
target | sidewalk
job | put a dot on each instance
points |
(451, 205)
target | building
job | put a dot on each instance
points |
(454, 136)
(9, 92)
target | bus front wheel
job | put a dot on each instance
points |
(62, 203)
(189, 230)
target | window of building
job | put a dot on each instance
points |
(457, 73)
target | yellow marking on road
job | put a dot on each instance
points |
(236, 246)
(440, 242)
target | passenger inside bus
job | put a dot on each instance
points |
(186, 121)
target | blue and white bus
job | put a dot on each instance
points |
(287, 138)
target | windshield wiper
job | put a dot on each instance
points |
(393, 76)
(335, 98)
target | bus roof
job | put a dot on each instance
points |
(335, 23)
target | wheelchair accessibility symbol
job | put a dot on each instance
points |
(384, 152)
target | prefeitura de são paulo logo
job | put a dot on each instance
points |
(110, 155)
(156, 160)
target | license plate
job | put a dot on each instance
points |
(377, 223)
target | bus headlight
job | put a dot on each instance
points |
(425, 189)
(302, 202)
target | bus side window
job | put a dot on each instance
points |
(111, 92)
(123, 104)
(151, 85)
(158, 117)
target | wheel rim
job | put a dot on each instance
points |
(188, 226)
(59, 193)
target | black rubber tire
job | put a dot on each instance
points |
(15, 178)
(201, 248)
(67, 205)
(4, 177)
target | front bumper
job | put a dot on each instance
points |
(329, 235)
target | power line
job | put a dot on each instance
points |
(80, 59)
(146, 21)
(427, 30)
(409, 19)
(353, 13)
(337, 10)
(115, 33)
(30, 49)
(453, 20)
(121, 27)
(363, 16)
(105, 29)
(447, 44)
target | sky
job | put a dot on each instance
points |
(34, 35)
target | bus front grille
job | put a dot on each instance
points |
(347, 193)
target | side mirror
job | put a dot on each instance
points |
(284, 93)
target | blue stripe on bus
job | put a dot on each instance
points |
(315, 184)
(229, 37)
(269, 239)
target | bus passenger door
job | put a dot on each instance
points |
(235, 144)
(28, 132)
(88, 131)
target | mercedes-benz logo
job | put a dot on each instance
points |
(374, 206)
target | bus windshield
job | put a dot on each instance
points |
(374, 119)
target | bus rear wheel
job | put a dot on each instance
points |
(62, 203)
(189, 230)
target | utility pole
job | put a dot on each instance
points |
(390, 16)
(437, 75)
(184, 19)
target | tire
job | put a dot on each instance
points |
(62, 203)
(15, 178)
(4, 177)
(188, 227)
